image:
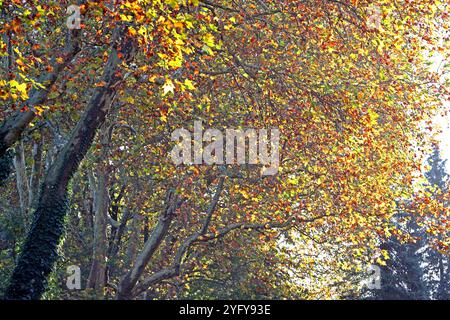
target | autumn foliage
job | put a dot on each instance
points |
(348, 83)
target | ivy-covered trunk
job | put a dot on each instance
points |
(5, 163)
(39, 252)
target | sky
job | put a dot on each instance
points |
(444, 137)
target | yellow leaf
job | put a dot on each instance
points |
(189, 84)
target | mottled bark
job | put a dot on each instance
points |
(100, 187)
(97, 274)
(40, 249)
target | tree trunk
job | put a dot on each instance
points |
(97, 275)
(21, 181)
(39, 252)
(36, 173)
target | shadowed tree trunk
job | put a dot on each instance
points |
(39, 252)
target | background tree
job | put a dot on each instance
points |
(417, 269)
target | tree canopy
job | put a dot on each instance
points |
(85, 140)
